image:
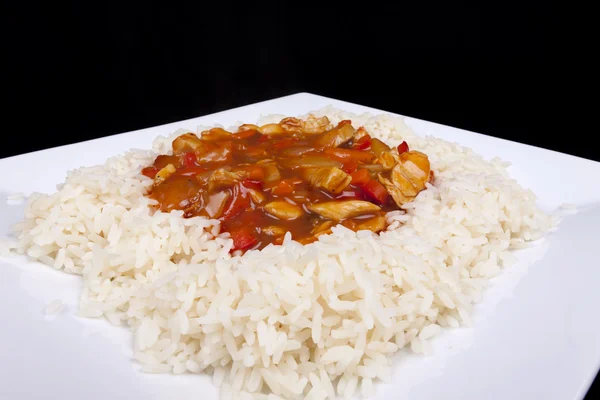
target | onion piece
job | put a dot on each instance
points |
(373, 167)
(310, 161)
(297, 151)
(216, 204)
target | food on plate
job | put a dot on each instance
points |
(264, 181)
(293, 256)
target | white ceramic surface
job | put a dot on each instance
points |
(536, 334)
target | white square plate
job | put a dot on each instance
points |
(535, 335)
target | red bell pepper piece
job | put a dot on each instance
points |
(363, 143)
(150, 172)
(375, 191)
(347, 154)
(254, 172)
(284, 188)
(402, 147)
(239, 203)
(350, 166)
(191, 171)
(189, 159)
(284, 143)
(243, 238)
(252, 184)
(360, 177)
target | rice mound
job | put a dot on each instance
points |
(296, 321)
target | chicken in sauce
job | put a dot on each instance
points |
(297, 176)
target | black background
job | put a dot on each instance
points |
(85, 71)
(82, 71)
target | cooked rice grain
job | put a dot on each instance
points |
(296, 320)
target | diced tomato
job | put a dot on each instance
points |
(239, 203)
(254, 172)
(244, 134)
(150, 172)
(402, 147)
(243, 238)
(263, 138)
(189, 159)
(284, 188)
(251, 184)
(360, 177)
(363, 143)
(375, 191)
(350, 166)
(347, 154)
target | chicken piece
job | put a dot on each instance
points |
(271, 129)
(315, 125)
(309, 161)
(164, 173)
(332, 179)
(291, 124)
(360, 132)
(386, 160)
(336, 136)
(338, 210)
(248, 127)
(257, 196)
(283, 210)
(216, 134)
(311, 125)
(374, 224)
(395, 191)
(216, 204)
(179, 193)
(271, 171)
(249, 171)
(274, 230)
(417, 165)
(408, 177)
(216, 152)
(324, 228)
(186, 142)
(222, 179)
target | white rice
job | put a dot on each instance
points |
(54, 307)
(15, 199)
(319, 320)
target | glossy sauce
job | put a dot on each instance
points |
(264, 175)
